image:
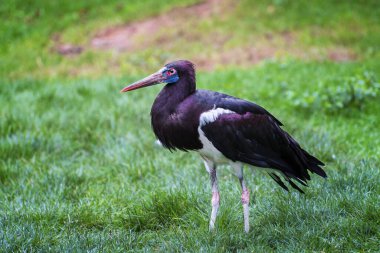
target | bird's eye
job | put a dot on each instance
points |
(171, 72)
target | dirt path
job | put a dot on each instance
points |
(130, 36)
(177, 29)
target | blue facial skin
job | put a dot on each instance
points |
(170, 79)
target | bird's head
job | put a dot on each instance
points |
(171, 73)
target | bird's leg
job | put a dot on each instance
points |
(245, 203)
(244, 196)
(215, 197)
(211, 168)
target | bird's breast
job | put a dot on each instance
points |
(176, 131)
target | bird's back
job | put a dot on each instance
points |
(176, 125)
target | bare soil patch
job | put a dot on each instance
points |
(128, 37)
(65, 48)
(174, 30)
(341, 54)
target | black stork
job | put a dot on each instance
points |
(224, 129)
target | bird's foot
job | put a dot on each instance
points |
(211, 226)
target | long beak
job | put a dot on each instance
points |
(153, 79)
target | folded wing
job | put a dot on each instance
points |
(256, 138)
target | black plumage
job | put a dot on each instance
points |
(243, 132)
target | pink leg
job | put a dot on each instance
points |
(215, 208)
(245, 203)
(244, 195)
(215, 193)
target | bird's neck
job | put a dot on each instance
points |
(173, 94)
(168, 118)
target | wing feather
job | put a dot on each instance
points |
(258, 139)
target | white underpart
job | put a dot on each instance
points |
(208, 150)
(158, 143)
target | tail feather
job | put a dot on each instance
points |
(300, 162)
(278, 180)
(295, 186)
(314, 164)
(304, 161)
(301, 182)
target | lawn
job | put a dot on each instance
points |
(79, 170)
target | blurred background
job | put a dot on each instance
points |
(94, 38)
(79, 170)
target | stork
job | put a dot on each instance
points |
(224, 130)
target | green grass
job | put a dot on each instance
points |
(28, 32)
(79, 170)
